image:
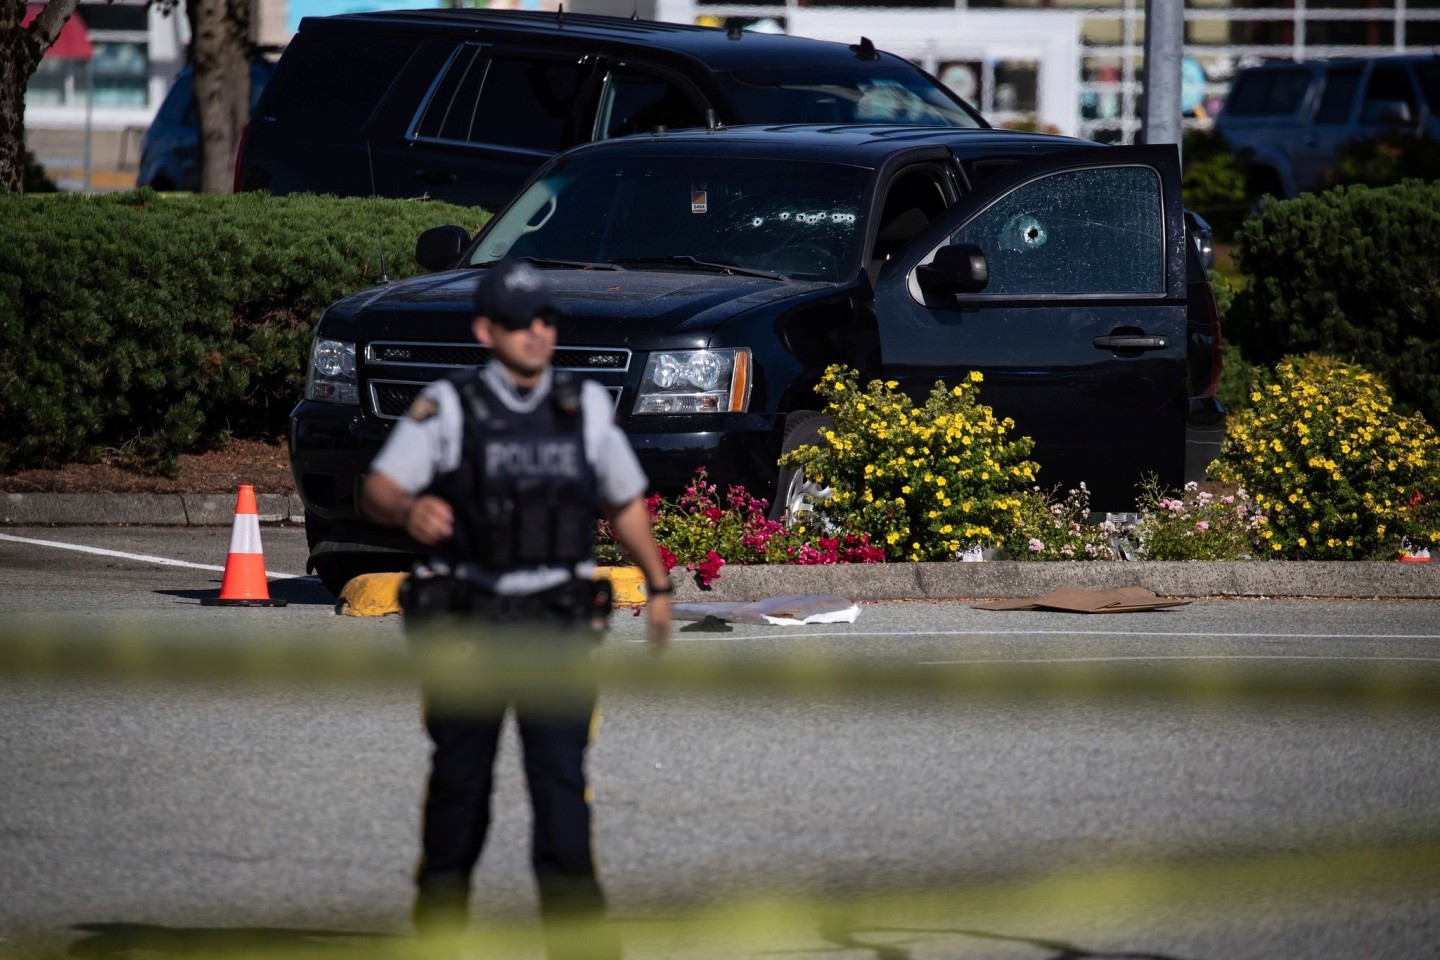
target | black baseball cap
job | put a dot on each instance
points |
(513, 294)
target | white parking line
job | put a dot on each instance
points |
(681, 636)
(164, 561)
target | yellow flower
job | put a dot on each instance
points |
(976, 376)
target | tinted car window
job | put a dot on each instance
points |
(527, 103)
(450, 112)
(503, 100)
(840, 96)
(1429, 77)
(795, 218)
(1389, 83)
(1339, 96)
(1268, 93)
(638, 103)
(334, 81)
(1077, 232)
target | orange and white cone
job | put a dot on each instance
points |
(244, 584)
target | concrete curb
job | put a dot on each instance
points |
(964, 581)
(140, 509)
(888, 581)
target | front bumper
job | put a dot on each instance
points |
(331, 446)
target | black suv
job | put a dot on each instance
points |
(711, 276)
(463, 105)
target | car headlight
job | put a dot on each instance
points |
(695, 381)
(332, 372)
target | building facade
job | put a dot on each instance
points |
(1071, 66)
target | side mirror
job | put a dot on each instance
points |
(439, 248)
(957, 268)
(1203, 236)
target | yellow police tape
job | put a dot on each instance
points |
(457, 665)
(1138, 909)
(378, 594)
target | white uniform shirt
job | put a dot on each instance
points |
(429, 438)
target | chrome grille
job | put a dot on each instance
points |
(411, 365)
(391, 398)
(391, 353)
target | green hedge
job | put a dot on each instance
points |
(154, 324)
(1353, 272)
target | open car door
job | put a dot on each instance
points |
(1062, 280)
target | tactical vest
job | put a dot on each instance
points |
(524, 494)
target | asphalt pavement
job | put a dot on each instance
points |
(890, 581)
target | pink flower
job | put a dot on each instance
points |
(709, 568)
(1202, 526)
(667, 557)
(1036, 546)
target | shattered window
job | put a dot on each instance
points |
(1077, 232)
(797, 219)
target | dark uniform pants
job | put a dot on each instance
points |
(457, 806)
(555, 729)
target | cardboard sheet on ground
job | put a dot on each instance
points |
(1075, 600)
(780, 611)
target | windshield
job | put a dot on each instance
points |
(840, 96)
(790, 218)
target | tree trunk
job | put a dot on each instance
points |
(220, 51)
(20, 51)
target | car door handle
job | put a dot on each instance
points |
(435, 177)
(1131, 342)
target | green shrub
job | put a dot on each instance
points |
(920, 482)
(1386, 161)
(1339, 473)
(1353, 272)
(1214, 182)
(154, 324)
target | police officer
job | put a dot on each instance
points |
(501, 472)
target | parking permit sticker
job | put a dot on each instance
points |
(699, 201)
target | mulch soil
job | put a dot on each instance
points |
(266, 466)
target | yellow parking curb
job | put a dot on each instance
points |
(371, 595)
(627, 582)
(376, 594)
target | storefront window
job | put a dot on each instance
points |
(121, 75)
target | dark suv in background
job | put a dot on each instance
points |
(170, 149)
(463, 105)
(1290, 120)
(711, 276)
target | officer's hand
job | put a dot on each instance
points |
(430, 520)
(657, 613)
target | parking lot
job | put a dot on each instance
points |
(1200, 821)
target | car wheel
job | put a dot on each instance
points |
(337, 569)
(796, 496)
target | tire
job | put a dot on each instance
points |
(791, 488)
(337, 568)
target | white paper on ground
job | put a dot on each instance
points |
(792, 610)
(847, 615)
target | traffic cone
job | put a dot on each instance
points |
(244, 584)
